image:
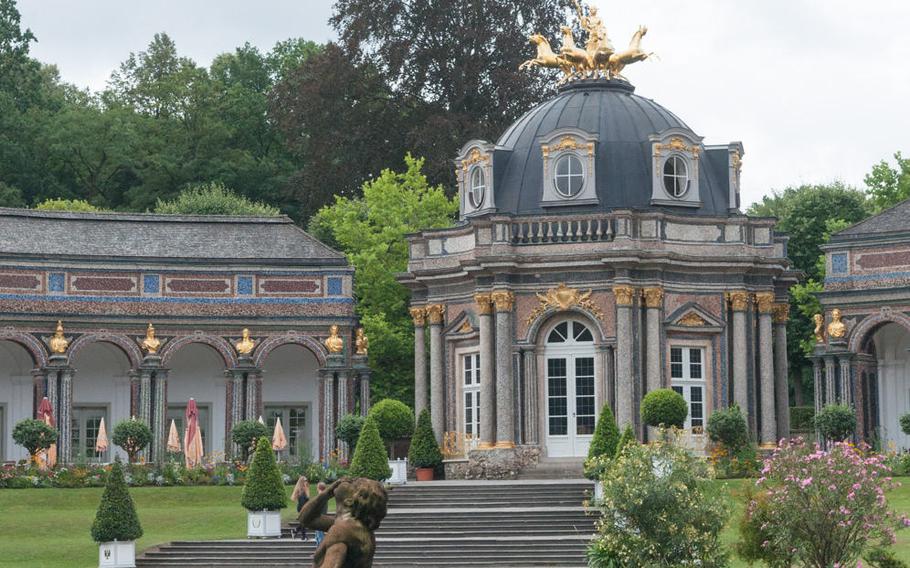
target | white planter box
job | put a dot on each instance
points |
(399, 469)
(598, 491)
(117, 554)
(261, 524)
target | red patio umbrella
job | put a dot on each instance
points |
(47, 458)
(192, 438)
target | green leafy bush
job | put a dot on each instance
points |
(424, 451)
(755, 543)
(214, 199)
(116, 518)
(394, 419)
(905, 423)
(370, 458)
(264, 490)
(246, 434)
(348, 429)
(72, 205)
(664, 407)
(34, 435)
(133, 436)
(625, 440)
(659, 509)
(606, 437)
(802, 418)
(836, 422)
(883, 558)
(727, 426)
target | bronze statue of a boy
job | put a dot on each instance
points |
(350, 535)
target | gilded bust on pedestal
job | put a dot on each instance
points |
(245, 345)
(334, 343)
(836, 329)
(362, 342)
(58, 343)
(151, 343)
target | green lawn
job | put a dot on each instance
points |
(50, 527)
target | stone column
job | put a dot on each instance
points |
(768, 429)
(436, 313)
(504, 301)
(739, 301)
(532, 402)
(487, 371)
(830, 379)
(624, 378)
(159, 416)
(253, 394)
(419, 315)
(145, 395)
(64, 418)
(364, 392)
(328, 411)
(610, 375)
(819, 388)
(341, 402)
(846, 392)
(781, 383)
(654, 299)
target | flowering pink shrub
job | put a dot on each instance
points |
(823, 508)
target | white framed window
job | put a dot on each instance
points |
(85, 424)
(470, 388)
(676, 176)
(687, 377)
(477, 188)
(569, 176)
(294, 422)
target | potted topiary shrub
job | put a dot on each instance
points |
(133, 436)
(602, 449)
(370, 458)
(424, 453)
(116, 525)
(348, 429)
(263, 495)
(246, 434)
(395, 421)
(836, 422)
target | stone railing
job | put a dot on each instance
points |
(560, 229)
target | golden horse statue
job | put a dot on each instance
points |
(546, 57)
(633, 54)
(581, 60)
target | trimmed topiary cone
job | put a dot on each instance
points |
(606, 435)
(424, 451)
(370, 458)
(116, 518)
(264, 490)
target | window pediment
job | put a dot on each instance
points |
(675, 158)
(569, 168)
(474, 170)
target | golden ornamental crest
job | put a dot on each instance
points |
(596, 59)
(563, 298)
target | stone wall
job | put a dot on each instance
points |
(493, 464)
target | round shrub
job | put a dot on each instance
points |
(133, 436)
(246, 433)
(905, 423)
(264, 490)
(664, 407)
(424, 451)
(802, 418)
(394, 419)
(603, 444)
(659, 509)
(836, 422)
(728, 427)
(348, 429)
(370, 458)
(34, 435)
(116, 518)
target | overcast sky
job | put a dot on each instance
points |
(815, 89)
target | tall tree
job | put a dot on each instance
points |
(889, 185)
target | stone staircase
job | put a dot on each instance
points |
(435, 525)
(554, 468)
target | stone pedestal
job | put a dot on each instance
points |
(495, 463)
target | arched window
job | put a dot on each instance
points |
(477, 188)
(676, 176)
(570, 176)
(570, 332)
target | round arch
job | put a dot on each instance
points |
(272, 343)
(869, 325)
(538, 329)
(217, 343)
(29, 342)
(127, 345)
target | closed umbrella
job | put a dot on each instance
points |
(173, 439)
(192, 438)
(261, 421)
(47, 458)
(101, 441)
(279, 440)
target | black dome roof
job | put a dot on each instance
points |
(623, 123)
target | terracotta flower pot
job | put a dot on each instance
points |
(424, 474)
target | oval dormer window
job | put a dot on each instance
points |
(570, 176)
(676, 176)
(478, 187)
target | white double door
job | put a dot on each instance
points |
(571, 402)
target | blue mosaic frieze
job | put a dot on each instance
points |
(244, 285)
(56, 282)
(151, 284)
(839, 263)
(334, 286)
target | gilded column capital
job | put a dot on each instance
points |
(739, 300)
(781, 312)
(765, 302)
(419, 315)
(436, 313)
(653, 297)
(484, 302)
(503, 300)
(624, 295)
